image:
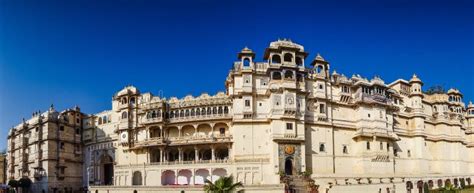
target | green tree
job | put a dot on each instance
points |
(222, 185)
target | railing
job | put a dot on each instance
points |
(200, 117)
(167, 163)
(372, 98)
(152, 120)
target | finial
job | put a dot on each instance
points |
(51, 108)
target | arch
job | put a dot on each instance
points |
(204, 130)
(276, 76)
(205, 154)
(155, 131)
(106, 163)
(319, 69)
(440, 183)
(456, 182)
(447, 182)
(184, 177)
(168, 177)
(289, 166)
(299, 61)
(100, 120)
(276, 59)
(246, 62)
(222, 153)
(226, 110)
(132, 100)
(135, 191)
(218, 173)
(124, 115)
(409, 185)
(200, 176)
(189, 154)
(288, 74)
(288, 57)
(124, 100)
(173, 132)
(203, 111)
(188, 131)
(155, 155)
(430, 184)
(173, 154)
(137, 178)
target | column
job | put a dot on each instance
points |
(179, 131)
(213, 156)
(229, 149)
(196, 154)
(161, 155)
(180, 154)
(192, 180)
(176, 176)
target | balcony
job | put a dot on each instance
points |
(152, 120)
(200, 139)
(200, 118)
(372, 99)
(150, 142)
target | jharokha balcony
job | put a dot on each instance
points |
(184, 140)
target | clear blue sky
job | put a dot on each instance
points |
(82, 52)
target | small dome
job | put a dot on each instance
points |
(415, 78)
(470, 105)
(453, 91)
(319, 58)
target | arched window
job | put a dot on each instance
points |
(171, 114)
(214, 110)
(276, 59)
(181, 114)
(137, 178)
(220, 110)
(276, 76)
(226, 110)
(299, 61)
(153, 114)
(246, 62)
(104, 119)
(132, 100)
(288, 74)
(299, 77)
(187, 113)
(198, 112)
(203, 111)
(124, 115)
(322, 148)
(209, 110)
(368, 145)
(288, 57)
(124, 100)
(319, 69)
(100, 120)
(193, 112)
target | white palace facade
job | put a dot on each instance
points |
(283, 116)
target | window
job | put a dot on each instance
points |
(381, 145)
(100, 120)
(247, 103)
(299, 61)
(321, 86)
(132, 100)
(222, 131)
(395, 152)
(276, 59)
(345, 89)
(289, 126)
(61, 128)
(124, 115)
(322, 147)
(344, 149)
(368, 115)
(78, 131)
(36, 129)
(61, 145)
(319, 69)
(322, 108)
(388, 146)
(276, 76)
(288, 57)
(246, 62)
(63, 170)
(409, 153)
(368, 145)
(289, 74)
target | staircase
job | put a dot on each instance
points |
(298, 184)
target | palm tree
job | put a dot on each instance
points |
(222, 185)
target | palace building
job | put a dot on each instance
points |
(284, 116)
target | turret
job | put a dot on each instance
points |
(416, 94)
(320, 66)
(246, 57)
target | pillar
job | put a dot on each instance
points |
(193, 174)
(196, 154)
(180, 154)
(229, 149)
(213, 156)
(161, 155)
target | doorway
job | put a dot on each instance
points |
(289, 166)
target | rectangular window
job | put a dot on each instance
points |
(289, 126)
(322, 108)
(61, 128)
(368, 145)
(322, 147)
(381, 145)
(247, 103)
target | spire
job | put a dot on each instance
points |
(51, 108)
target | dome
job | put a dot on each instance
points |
(286, 43)
(415, 78)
